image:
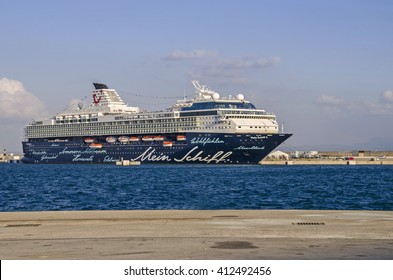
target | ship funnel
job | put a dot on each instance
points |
(100, 86)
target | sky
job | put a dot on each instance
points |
(325, 68)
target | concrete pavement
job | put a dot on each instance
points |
(197, 234)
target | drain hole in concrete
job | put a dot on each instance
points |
(23, 225)
(225, 216)
(234, 245)
(308, 224)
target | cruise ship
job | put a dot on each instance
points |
(207, 129)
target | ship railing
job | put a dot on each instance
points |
(245, 112)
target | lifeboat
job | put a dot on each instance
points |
(124, 139)
(95, 145)
(159, 138)
(181, 138)
(89, 140)
(147, 138)
(134, 139)
(111, 139)
(167, 144)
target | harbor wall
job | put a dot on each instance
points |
(326, 162)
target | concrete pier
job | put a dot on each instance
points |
(207, 234)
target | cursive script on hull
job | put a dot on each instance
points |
(194, 155)
(151, 155)
(218, 157)
(206, 140)
(82, 159)
(249, 148)
(89, 151)
(46, 157)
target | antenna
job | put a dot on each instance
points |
(184, 90)
(203, 91)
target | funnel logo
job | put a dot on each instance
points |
(96, 99)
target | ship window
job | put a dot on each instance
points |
(216, 105)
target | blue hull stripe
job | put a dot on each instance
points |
(208, 148)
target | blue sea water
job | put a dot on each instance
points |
(103, 187)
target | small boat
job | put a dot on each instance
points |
(181, 138)
(124, 162)
(167, 144)
(124, 139)
(96, 146)
(159, 138)
(89, 140)
(134, 138)
(147, 138)
(111, 139)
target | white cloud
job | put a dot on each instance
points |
(334, 104)
(387, 96)
(195, 54)
(205, 65)
(245, 62)
(17, 103)
(330, 100)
